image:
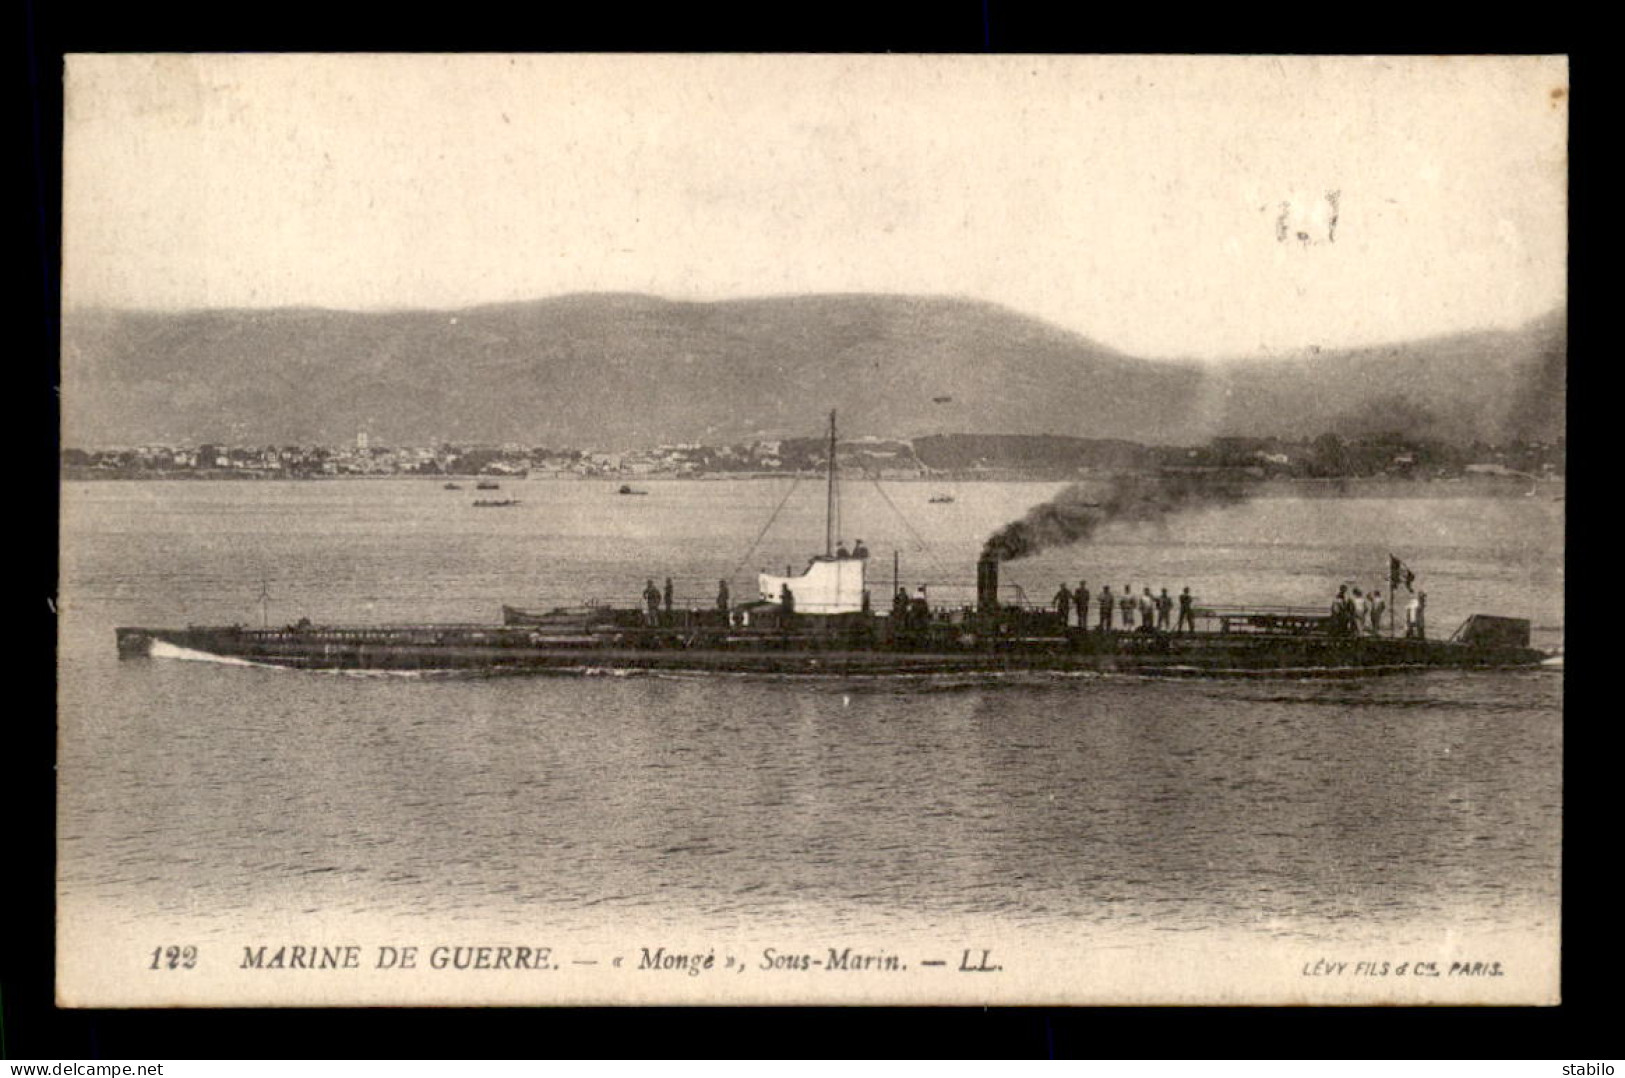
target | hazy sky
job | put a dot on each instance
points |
(1142, 202)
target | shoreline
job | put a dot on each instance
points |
(1374, 487)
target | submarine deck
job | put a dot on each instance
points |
(934, 649)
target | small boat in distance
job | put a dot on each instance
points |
(628, 490)
(487, 484)
(941, 499)
(452, 486)
(495, 503)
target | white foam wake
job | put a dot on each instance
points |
(163, 649)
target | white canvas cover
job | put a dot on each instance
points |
(826, 586)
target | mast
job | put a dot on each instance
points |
(829, 505)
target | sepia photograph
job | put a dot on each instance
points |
(601, 529)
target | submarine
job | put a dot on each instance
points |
(822, 621)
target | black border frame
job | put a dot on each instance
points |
(31, 1026)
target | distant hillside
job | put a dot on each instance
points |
(1492, 386)
(619, 371)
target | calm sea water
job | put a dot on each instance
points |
(1409, 804)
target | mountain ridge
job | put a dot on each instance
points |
(620, 370)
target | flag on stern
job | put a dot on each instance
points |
(1399, 573)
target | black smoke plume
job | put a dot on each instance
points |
(1073, 516)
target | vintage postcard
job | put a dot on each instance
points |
(811, 529)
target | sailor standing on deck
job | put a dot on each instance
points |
(1106, 606)
(1165, 606)
(1415, 612)
(1361, 613)
(1127, 605)
(651, 599)
(1187, 610)
(668, 599)
(1148, 609)
(722, 596)
(1377, 609)
(1340, 606)
(1080, 599)
(1063, 604)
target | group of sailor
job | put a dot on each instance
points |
(911, 613)
(1353, 612)
(1146, 612)
(1358, 613)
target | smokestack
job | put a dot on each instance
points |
(987, 585)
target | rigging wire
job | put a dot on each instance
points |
(930, 555)
(757, 541)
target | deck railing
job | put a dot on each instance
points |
(696, 614)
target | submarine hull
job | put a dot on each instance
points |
(509, 649)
